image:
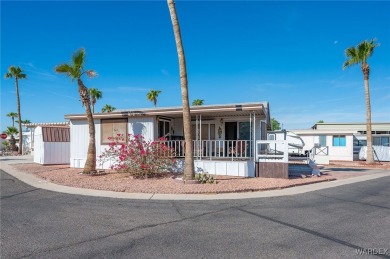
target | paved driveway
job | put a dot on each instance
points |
(331, 223)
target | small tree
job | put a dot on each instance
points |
(6, 145)
(275, 124)
(108, 108)
(12, 115)
(95, 95)
(320, 121)
(12, 131)
(152, 96)
(197, 102)
(135, 155)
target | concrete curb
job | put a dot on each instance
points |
(42, 184)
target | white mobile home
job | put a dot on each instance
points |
(325, 145)
(223, 135)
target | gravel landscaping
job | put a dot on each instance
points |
(122, 182)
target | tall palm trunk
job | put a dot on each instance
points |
(189, 172)
(93, 104)
(90, 164)
(20, 151)
(370, 153)
(12, 142)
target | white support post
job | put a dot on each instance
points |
(200, 137)
(254, 134)
(250, 137)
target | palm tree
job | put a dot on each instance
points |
(12, 131)
(152, 96)
(25, 122)
(17, 73)
(13, 115)
(189, 171)
(95, 94)
(357, 55)
(197, 102)
(108, 108)
(75, 70)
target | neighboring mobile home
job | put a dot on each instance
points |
(325, 145)
(223, 135)
(380, 132)
(341, 141)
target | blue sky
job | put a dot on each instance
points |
(288, 53)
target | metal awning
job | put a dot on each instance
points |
(207, 111)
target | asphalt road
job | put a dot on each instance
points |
(331, 223)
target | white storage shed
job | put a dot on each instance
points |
(52, 145)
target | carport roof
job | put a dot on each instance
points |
(224, 110)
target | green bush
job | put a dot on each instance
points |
(6, 145)
(204, 178)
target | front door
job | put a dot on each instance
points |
(230, 130)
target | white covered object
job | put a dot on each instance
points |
(381, 153)
(52, 145)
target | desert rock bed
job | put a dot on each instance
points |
(123, 182)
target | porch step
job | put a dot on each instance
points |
(300, 169)
(297, 159)
(297, 170)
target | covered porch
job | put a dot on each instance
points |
(223, 137)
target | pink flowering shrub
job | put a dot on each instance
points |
(140, 158)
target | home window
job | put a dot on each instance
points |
(376, 141)
(111, 128)
(385, 141)
(339, 141)
(323, 140)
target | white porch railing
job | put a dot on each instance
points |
(272, 151)
(212, 149)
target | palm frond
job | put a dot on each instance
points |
(12, 70)
(366, 49)
(353, 57)
(66, 69)
(108, 108)
(22, 76)
(16, 72)
(12, 114)
(95, 93)
(360, 53)
(11, 131)
(78, 59)
(91, 73)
